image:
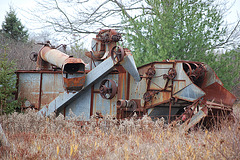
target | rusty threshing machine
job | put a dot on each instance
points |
(112, 84)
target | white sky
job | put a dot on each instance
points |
(19, 5)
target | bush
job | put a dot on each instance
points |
(7, 84)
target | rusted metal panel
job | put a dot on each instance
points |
(158, 82)
(137, 89)
(104, 106)
(122, 85)
(52, 86)
(217, 93)
(210, 78)
(159, 98)
(178, 85)
(74, 84)
(195, 119)
(29, 87)
(155, 84)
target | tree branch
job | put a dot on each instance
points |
(230, 35)
(63, 13)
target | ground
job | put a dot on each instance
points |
(34, 137)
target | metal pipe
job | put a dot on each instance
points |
(61, 60)
(53, 56)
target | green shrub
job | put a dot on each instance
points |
(7, 84)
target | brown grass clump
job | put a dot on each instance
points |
(34, 137)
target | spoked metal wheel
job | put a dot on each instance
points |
(117, 53)
(108, 89)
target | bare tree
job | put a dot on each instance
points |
(71, 17)
(85, 16)
(19, 52)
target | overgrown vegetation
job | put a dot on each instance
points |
(34, 137)
(7, 84)
(227, 67)
(175, 29)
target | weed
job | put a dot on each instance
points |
(35, 137)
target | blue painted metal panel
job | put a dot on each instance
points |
(80, 106)
(129, 64)
(105, 106)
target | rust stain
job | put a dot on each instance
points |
(219, 94)
(74, 84)
(121, 86)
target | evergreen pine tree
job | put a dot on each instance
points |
(7, 84)
(13, 28)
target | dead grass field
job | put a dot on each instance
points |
(34, 137)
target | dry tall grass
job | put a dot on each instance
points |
(35, 137)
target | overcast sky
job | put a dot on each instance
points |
(19, 5)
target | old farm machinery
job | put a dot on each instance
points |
(111, 84)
